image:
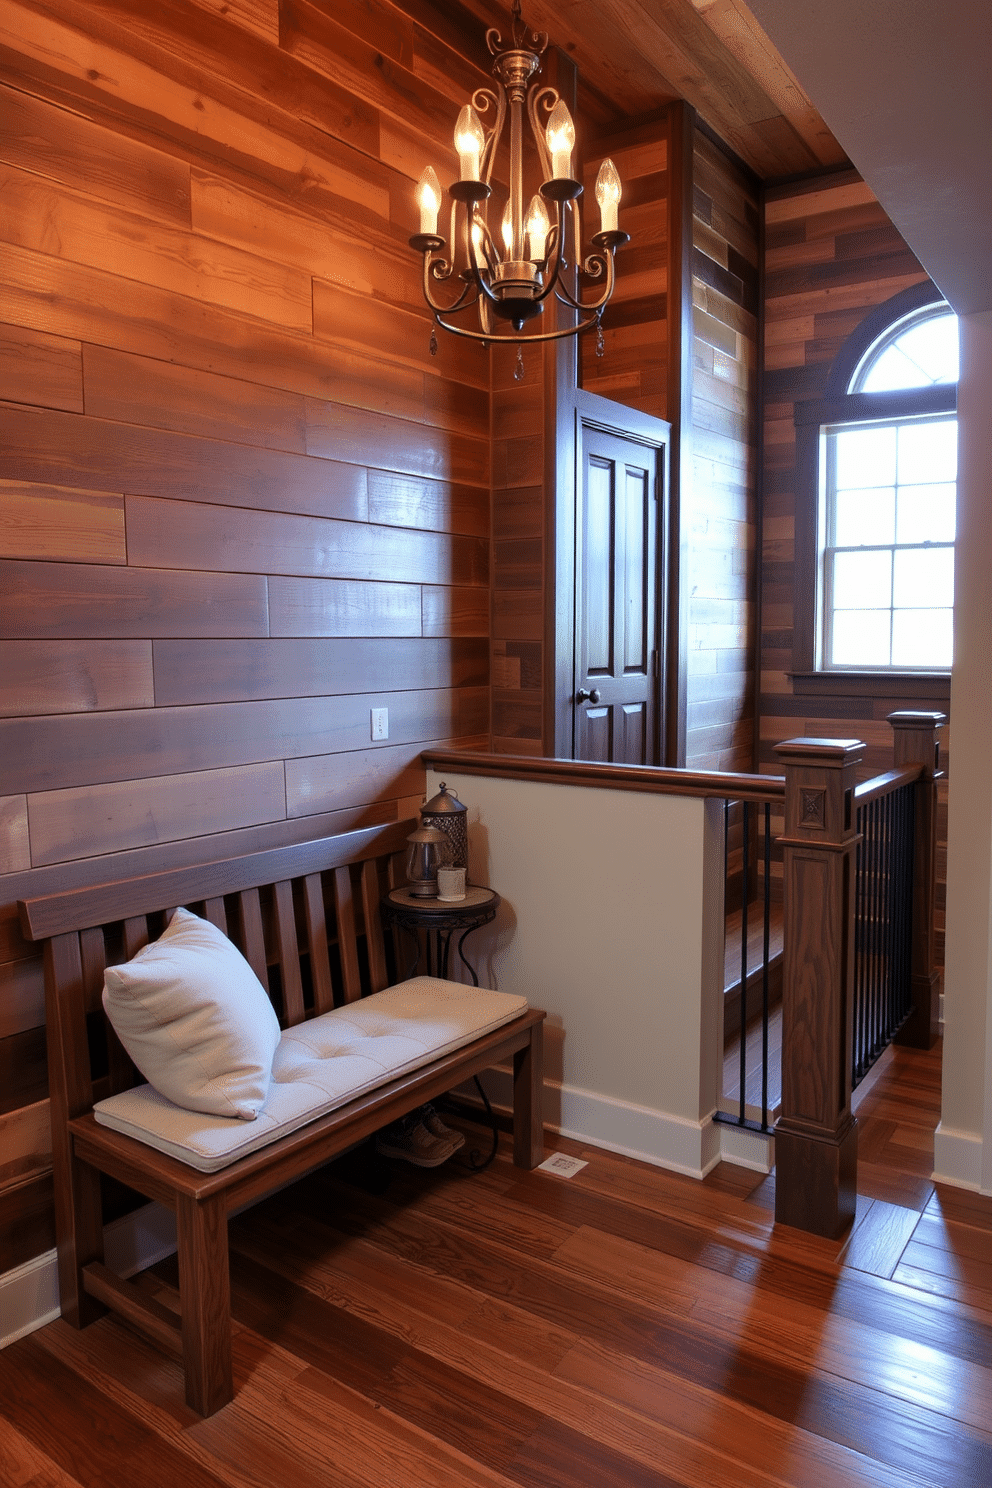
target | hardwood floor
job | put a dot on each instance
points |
(626, 1328)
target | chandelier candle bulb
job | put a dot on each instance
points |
(470, 142)
(608, 192)
(560, 134)
(506, 228)
(538, 227)
(429, 201)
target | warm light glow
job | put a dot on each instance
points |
(469, 142)
(429, 200)
(506, 228)
(479, 244)
(560, 134)
(538, 227)
(608, 192)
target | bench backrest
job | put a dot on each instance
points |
(305, 917)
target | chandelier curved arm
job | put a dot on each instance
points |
(546, 98)
(440, 269)
(482, 100)
(595, 266)
(491, 336)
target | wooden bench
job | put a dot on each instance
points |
(306, 918)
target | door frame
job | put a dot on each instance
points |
(574, 411)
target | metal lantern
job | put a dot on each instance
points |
(447, 814)
(422, 859)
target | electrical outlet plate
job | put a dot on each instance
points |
(565, 1167)
(380, 723)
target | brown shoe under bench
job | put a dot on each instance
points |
(331, 889)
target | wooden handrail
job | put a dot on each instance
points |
(653, 779)
(884, 785)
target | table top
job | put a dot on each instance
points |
(477, 900)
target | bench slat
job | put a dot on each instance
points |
(344, 908)
(214, 911)
(289, 953)
(320, 965)
(378, 974)
(253, 935)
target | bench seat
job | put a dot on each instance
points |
(320, 1064)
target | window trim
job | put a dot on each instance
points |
(837, 406)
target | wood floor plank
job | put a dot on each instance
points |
(878, 1244)
(444, 1329)
(86, 1434)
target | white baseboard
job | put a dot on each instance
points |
(957, 1158)
(29, 1295)
(656, 1137)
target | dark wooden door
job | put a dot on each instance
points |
(617, 695)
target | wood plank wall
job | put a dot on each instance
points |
(634, 366)
(519, 669)
(242, 502)
(722, 517)
(831, 256)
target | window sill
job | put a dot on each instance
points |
(929, 686)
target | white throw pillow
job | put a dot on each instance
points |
(195, 1019)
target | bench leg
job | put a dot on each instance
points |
(528, 1094)
(205, 1302)
(79, 1232)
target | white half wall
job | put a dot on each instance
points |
(612, 920)
(963, 1142)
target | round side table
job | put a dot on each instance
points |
(442, 921)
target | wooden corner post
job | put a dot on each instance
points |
(816, 1139)
(915, 743)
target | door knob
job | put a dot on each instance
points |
(587, 695)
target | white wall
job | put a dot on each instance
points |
(612, 920)
(963, 1147)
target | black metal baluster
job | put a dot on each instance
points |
(745, 888)
(765, 950)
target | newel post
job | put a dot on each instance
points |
(816, 1137)
(915, 743)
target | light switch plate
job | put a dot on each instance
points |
(380, 723)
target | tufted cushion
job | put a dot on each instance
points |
(195, 1019)
(319, 1065)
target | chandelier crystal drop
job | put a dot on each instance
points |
(502, 261)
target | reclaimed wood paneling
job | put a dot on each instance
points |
(38, 368)
(223, 435)
(722, 518)
(74, 676)
(831, 256)
(42, 521)
(634, 366)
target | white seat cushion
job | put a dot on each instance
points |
(320, 1064)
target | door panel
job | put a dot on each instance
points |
(617, 633)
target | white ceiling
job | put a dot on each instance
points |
(906, 88)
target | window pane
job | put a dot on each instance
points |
(926, 514)
(928, 452)
(862, 581)
(860, 638)
(864, 517)
(924, 576)
(922, 638)
(925, 354)
(866, 457)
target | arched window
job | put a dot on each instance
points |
(883, 451)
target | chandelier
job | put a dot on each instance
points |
(501, 278)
